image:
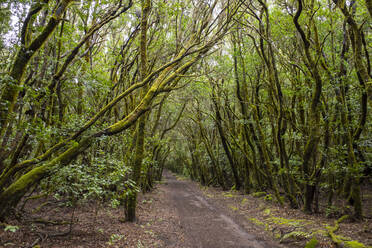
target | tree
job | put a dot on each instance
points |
(204, 33)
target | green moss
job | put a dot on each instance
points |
(289, 222)
(319, 231)
(181, 178)
(268, 197)
(228, 194)
(259, 194)
(312, 243)
(233, 208)
(256, 221)
(341, 240)
(209, 195)
(267, 211)
(295, 235)
(354, 244)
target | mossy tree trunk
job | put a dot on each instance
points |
(27, 50)
(225, 145)
(140, 132)
(163, 79)
(356, 36)
(311, 147)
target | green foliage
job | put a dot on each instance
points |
(259, 194)
(11, 228)
(289, 222)
(260, 67)
(295, 235)
(268, 197)
(312, 243)
(354, 244)
(104, 178)
(114, 238)
(333, 212)
(257, 222)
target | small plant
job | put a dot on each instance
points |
(114, 238)
(11, 228)
(268, 197)
(139, 244)
(233, 208)
(354, 244)
(115, 203)
(296, 235)
(312, 243)
(333, 212)
(267, 211)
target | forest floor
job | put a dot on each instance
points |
(179, 213)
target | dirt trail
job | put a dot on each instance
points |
(205, 224)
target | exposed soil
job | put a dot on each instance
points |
(97, 226)
(206, 223)
(292, 227)
(178, 213)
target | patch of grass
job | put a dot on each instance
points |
(147, 201)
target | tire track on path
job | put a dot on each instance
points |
(205, 224)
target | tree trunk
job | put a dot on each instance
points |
(140, 139)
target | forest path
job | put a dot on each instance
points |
(205, 224)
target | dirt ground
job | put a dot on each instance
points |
(178, 213)
(292, 227)
(206, 223)
(97, 226)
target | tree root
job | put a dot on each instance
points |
(331, 230)
(50, 222)
(45, 235)
(38, 208)
(341, 241)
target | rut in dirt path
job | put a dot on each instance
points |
(205, 224)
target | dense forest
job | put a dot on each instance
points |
(98, 97)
